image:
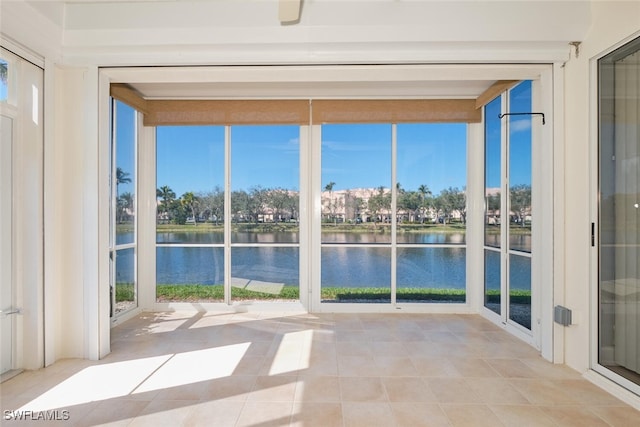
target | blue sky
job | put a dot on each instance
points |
(353, 156)
(191, 158)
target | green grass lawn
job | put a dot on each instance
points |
(196, 292)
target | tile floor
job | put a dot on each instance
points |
(268, 369)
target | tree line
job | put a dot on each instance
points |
(254, 206)
(413, 206)
(260, 204)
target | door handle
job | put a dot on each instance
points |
(11, 311)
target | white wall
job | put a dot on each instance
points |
(68, 169)
(612, 23)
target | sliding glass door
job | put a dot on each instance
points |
(619, 213)
(227, 217)
(508, 206)
(124, 236)
(393, 213)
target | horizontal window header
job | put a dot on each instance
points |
(302, 112)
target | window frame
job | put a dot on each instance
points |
(549, 77)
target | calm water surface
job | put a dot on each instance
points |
(349, 267)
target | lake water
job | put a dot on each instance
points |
(345, 267)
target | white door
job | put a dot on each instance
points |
(21, 213)
(7, 335)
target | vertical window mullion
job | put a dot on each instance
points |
(394, 204)
(504, 213)
(227, 215)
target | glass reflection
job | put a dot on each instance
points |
(125, 289)
(520, 290)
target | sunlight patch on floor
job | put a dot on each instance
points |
(195, 366)
(293, 352)
(96, 383)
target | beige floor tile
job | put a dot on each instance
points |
(234, 388)
(351, 335)
(573, 416)
(545, 369)
(319, 367)
(496, 391)
(587, 393)
(358, 414)
(325, 370)
(164, 413)
(522, 416)
(318, 389)
(357, 366)
(250, 365)
(347, 348)
(543, 392)
(388, 349)
(512, 368)
(213, 414)
(473, 368)
(317, 414)
(408, 389)
(618, 416)
(278, 388)
(185, 392)
(422, 349)
(362, 389)
(452, 390)
(394, 367)
(418, 415)
(113, 412)
(471, 416)
(265, 414)
(435, 367)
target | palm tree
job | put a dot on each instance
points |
(329, 188)
(122, 177)
(125, 206)
(190, 201)
(424, 192)
(168, 196)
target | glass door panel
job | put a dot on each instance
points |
(619, 212)
(520, 213)
(508, 220)
(7, 300)
(520, 289)
(493, 206)
(265, 273)
(431, 274)
(123, 213)
(189, 273)
(265, 200)
(356, 274)
(125, 280)
(492, 280)
(190, 182)
(356, 213)
(431, 210)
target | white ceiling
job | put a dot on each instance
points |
(225, 90)
(247, 33)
